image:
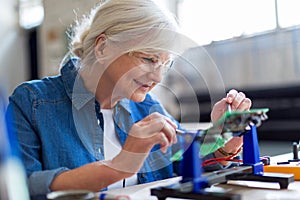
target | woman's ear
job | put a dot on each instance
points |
(100, 44)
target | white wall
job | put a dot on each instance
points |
(13, 65)
(270, 60)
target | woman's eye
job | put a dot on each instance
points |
(149, 60)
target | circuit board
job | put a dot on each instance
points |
(238, 121)
(231, 124)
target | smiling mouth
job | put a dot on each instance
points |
(142, 84)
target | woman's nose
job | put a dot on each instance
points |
(156, 75)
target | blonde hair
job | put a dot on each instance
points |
(124, 21)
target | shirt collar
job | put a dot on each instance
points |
(76, 90)
(74, 84)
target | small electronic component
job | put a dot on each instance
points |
(238, 121)
(295, 151)
(231, 124)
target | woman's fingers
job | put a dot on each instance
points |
(238, 100)
(155, 129)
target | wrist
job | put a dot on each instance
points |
(224, 153)
(128, 162)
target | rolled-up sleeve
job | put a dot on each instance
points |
(39, 182)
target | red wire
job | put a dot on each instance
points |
(217, 160)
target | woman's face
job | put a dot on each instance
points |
(133, 75)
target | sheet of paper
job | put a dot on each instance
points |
(141, 191)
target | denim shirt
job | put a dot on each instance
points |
(57, 129)
(56, 124)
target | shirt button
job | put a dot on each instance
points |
(143, 175)
(100, 151)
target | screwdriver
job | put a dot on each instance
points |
(228, 107)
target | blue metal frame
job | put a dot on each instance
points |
(251, 153)
(192, 164)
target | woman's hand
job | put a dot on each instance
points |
(237, 101)
(153, 129)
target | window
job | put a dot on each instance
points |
(31, 13)
(205, 21)
(288, 12)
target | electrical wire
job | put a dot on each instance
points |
(218, 160)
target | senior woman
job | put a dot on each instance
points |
(95, 126)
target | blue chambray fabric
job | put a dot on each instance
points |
(57, 128)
